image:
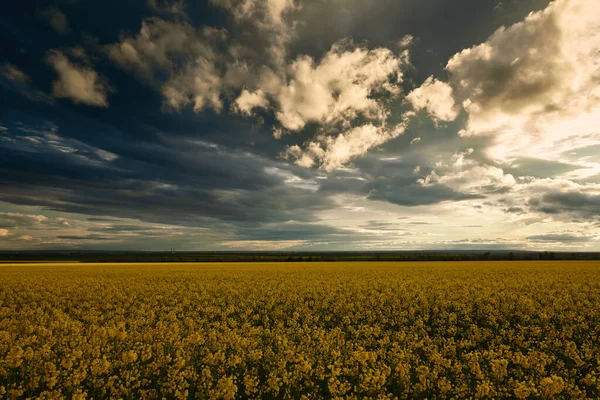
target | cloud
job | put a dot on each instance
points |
(263, 245)
(22, 83)
(46, 140)
(348, 83)
(121, 234)
(380, 226)
(87, 237)
(181, 62)
(564, 199)
(175, 7)
(338, 107)
(333, 152)
(4, 232)
(264, 23)
(177, 181)
(338, 88)
(14, 74)
(200, 84)
(514, 210)
(335, 93)
(57, 20)
(540, 168)
(290, 230)
(248, 101)
(467, 175)
(560, 238)
(534, 86)
(11, 220)
(415, 195)
(533, 200)
(266, 13)
(207, 67)
(160, 46)
(435, 97)
(79, 83)
(405, 191)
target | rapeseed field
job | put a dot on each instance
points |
(300, 330)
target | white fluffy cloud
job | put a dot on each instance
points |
(248, 101)
(159, 45)
(335, 93)
(200, 84)
(466, 175)
(534, 86)
(435, 97)
(338, 88)
(333, 152)
(348, 84)
(177, 59)
(534, 90)
(79, 83)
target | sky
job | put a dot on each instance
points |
(300, 125)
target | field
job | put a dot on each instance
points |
(301, 330)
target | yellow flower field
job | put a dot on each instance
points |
(300, 330)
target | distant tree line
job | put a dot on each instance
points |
(171, 256)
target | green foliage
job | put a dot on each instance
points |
(301, 330)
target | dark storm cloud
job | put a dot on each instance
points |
(439, 142)
(392, 180)
(409, 193)
(88, 237)
(172, 180)
(158, 202)
(341, 183)
(578, 204)
(100, 219)
(391, 175)
(56, 19)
